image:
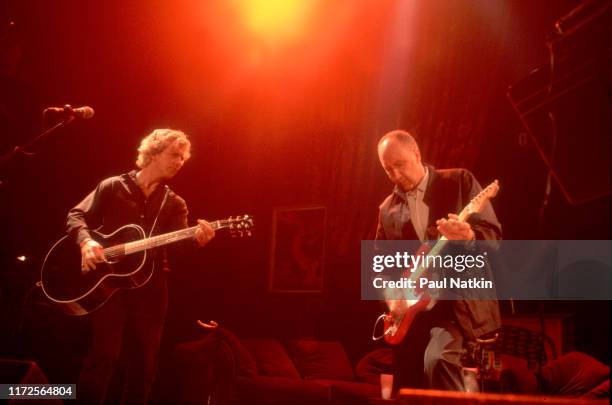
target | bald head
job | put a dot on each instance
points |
(400, 156)
(401, 137)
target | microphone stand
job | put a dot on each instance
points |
(23, 149)
(5, 161)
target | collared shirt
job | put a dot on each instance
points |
(415, 206)
(119, 201)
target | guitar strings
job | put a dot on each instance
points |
(160, 240)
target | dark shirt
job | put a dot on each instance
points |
(119, 201)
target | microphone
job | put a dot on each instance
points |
(84, 112)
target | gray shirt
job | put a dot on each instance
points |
(412, 207)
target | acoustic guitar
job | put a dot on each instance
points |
(128, 264)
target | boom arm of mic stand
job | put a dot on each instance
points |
(23, 149)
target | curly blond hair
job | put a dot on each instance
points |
(157, 141)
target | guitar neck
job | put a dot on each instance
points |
(473, 206)
(167, 238)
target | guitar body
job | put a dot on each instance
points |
(401, 314)
(79, 293)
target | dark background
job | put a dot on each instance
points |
(273, 123)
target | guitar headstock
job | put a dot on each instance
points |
(478, 202)
(240, 226)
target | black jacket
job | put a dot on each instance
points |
(448, 191)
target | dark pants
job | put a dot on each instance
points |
(126, 330)
(429, 356)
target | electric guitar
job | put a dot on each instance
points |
(403, 309)
(128, 264)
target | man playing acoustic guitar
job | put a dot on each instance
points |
(131, 321)
(418, 209)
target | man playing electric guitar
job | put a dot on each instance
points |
(133, 317)
(418, 209)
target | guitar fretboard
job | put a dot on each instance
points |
(160, 240)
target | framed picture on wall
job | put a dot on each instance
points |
(298, 250)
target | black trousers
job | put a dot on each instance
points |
(127, 331)
(430, 355)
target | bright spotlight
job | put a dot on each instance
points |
(275, 20)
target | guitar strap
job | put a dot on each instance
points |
(167, 191)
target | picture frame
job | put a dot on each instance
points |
(297, 252)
